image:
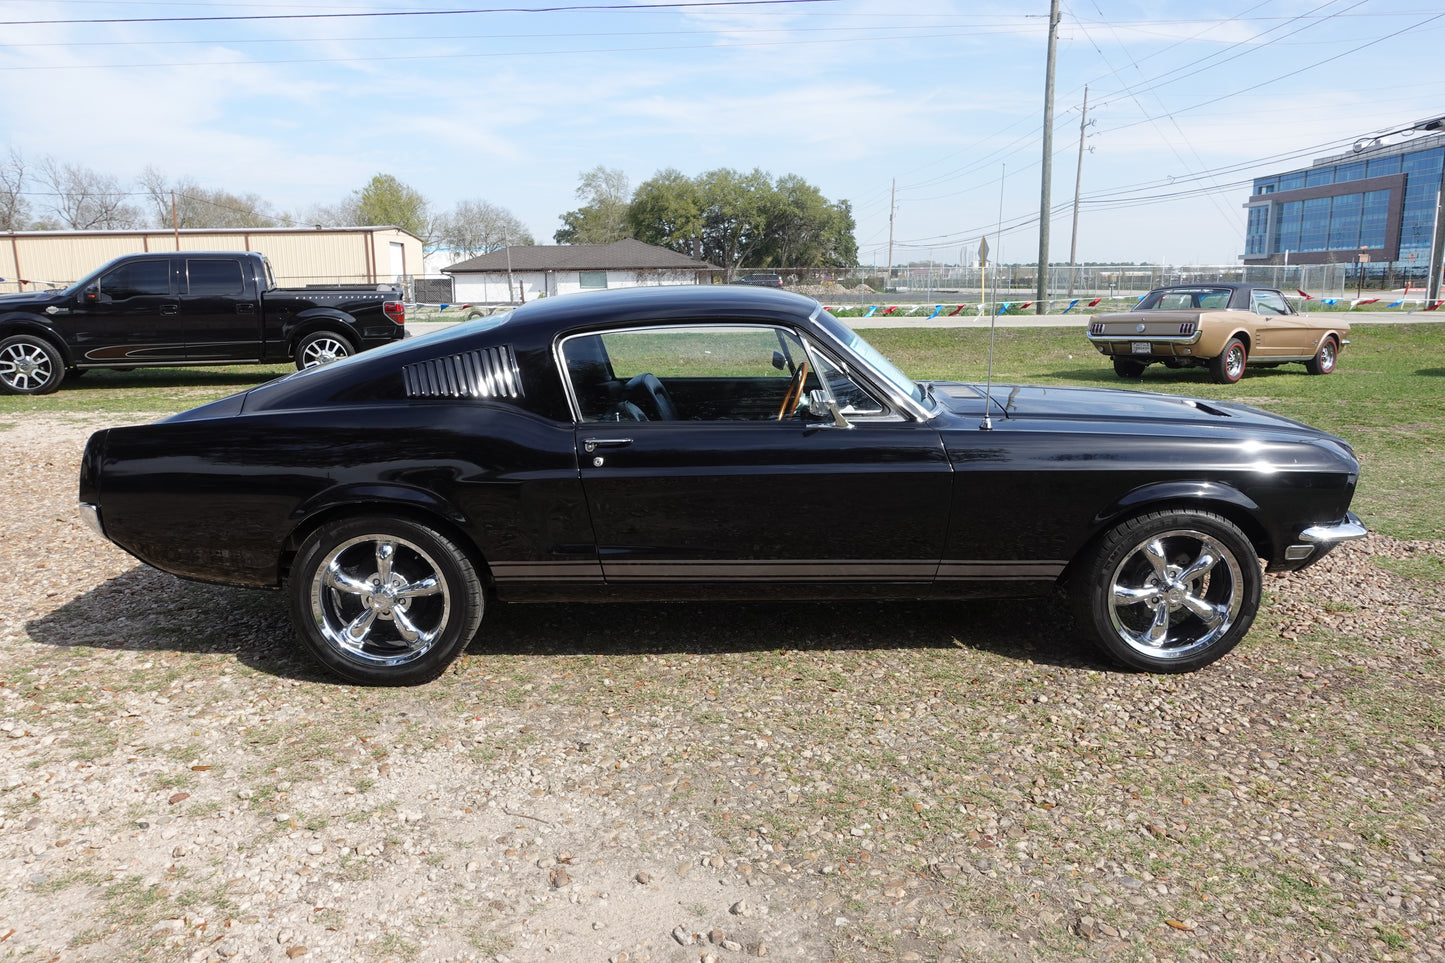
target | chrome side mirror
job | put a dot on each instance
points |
(823, 408)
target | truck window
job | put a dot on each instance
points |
(215, 277)
(137, 278)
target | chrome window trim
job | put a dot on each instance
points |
(891, 393)
(872, 380)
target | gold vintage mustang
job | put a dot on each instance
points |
(1222, 326)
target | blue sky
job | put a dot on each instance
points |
(1188, 102)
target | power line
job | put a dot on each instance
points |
(372, 14)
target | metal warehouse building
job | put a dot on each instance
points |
(332, 255)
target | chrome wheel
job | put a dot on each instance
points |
(1175, 594)
(380, 600)
(1324, 360)
(1228, 366)
(1168, 591)
(319, 349)
(384, 600)
(1234, 361)
(29, 366)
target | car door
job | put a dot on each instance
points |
(219, 308)
(129, 316)
(720, 483)
(1280, 332)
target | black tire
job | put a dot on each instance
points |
(29, 365)
(1168, 591)
(1325, 359)
(1129, 368)
(384, 601)
(322, 347)
(1229, 366)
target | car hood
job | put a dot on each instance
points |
(1102, 406)
(11, 301)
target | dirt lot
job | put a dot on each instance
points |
(675, 783)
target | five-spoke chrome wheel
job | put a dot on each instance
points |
(384, 601)
(1171, 591)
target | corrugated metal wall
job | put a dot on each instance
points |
(357, 255)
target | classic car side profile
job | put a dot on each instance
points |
(710, 443)
(1221, 326)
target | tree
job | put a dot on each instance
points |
(86, 200)
(737, 220)
(199, 207)
(805, 229)
(13, 208)
(603, 219)
(667, 210)
(476, 227)
(386, 200)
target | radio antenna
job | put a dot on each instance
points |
(987, 423)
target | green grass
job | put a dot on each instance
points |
(1386, 398)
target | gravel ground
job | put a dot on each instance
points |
(682, 783)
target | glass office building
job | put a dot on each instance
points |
(1380, 203)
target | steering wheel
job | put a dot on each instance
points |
(647, 393)
(794, 393)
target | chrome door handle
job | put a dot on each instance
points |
(592, 444)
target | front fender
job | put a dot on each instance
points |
(1175, 492)
(36, 326)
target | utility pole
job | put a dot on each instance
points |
(1078, 184)
(1042, 291)
(892, 194)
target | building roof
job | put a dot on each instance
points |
(628, 254)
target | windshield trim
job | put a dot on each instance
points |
(904, 391)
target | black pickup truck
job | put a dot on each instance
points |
(185, 308)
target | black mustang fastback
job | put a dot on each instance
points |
(710, 443)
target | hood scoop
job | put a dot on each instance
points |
(1205, 407)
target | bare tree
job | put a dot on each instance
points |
(476, 227)
(13, 208)
(603, 219)
(86, 200)
(185, 203)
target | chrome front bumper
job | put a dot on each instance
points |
(90, 515)
(1318, 537)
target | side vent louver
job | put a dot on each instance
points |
(484, 373)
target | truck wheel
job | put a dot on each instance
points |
(321, 347)
(1229, 366)
(29, 366)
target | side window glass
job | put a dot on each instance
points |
(136, 279)
(215, 277)
(1269, 302)
(688, 373)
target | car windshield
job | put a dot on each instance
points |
(1173, 299)
(854, 342)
